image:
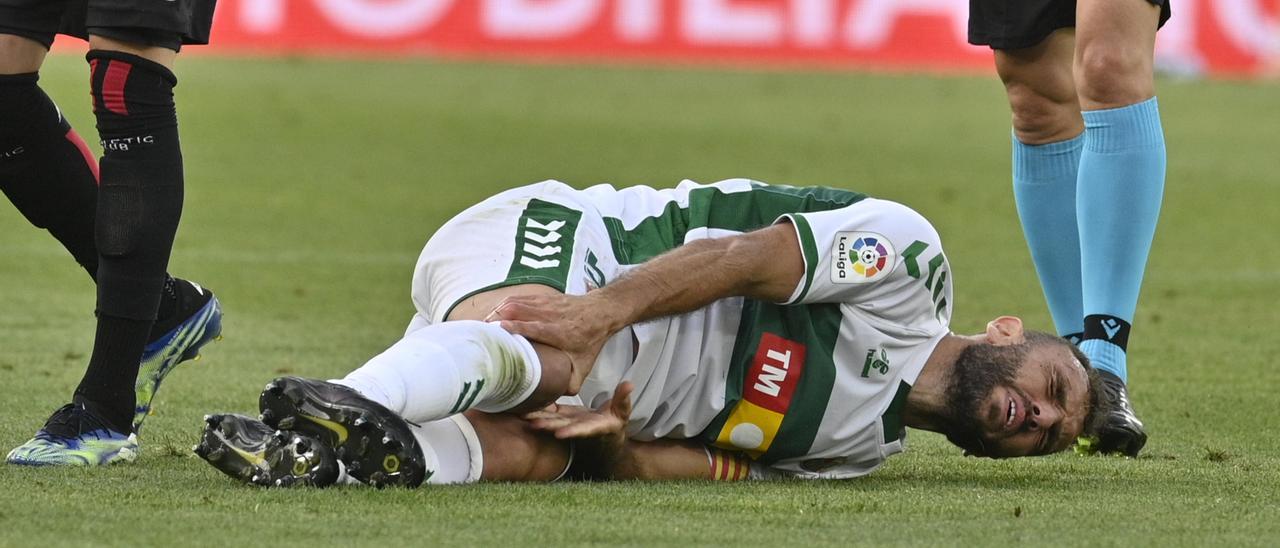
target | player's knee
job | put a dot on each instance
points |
(1110, 76)
(1042, 118)
(132, 101)
(1042, 96)
(20, 55)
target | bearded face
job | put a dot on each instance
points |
(1014, 400)
(978, 371)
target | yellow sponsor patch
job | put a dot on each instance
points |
(750, 428)
(766, 395)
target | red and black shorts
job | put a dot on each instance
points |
(164, 23)
(1017, 24)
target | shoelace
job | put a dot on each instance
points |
(172, 303)
(170, 294)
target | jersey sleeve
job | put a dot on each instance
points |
(872, 253)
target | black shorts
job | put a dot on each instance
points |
(161, 23)
(1017, 24)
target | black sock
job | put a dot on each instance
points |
(113, 369)
(139, 205)
(51, 176)
(167, 310)
(45, 168)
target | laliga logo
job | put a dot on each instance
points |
(860, 257)
(871, 256)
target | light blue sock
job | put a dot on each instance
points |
(1044, 188)
(1121, 184)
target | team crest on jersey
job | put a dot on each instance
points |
(878, 364)
(861, 257)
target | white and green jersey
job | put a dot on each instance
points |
(812, 387)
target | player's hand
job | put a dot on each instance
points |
(577, 422)
(575, 324)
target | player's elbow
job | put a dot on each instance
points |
(770, 262)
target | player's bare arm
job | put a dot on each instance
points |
(765, 264)
(604, 452)
(536, 447)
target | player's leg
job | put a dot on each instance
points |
(468, 448)
(459, 449)
(509, 450)
(449, 361)
(378, 446)
(45, 168)
(132, 48)
(147, 321)
(464, 363)
(1047, 144)
(48, 173)
(526, 240)
(434, 373)
(139, 204)
(1121, 184)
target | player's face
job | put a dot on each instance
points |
(1041, 410)
(1014, 393)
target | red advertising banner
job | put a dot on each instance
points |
(1233, 37)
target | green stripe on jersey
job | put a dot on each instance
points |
(544, 244)
(891, 421)
(711, 207)
(809, 248)
(817, 327)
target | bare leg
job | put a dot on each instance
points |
(1046, 157)
(514, 452)
(20, 55)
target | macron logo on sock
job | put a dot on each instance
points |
(1107, 328)
(1111, 326)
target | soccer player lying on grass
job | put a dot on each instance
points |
(801, 327)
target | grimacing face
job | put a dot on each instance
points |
(1018, 400)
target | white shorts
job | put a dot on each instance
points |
(543, 233)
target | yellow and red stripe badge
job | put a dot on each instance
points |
(728, 465)
(766, 395)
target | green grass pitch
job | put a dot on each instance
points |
(312, 185)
